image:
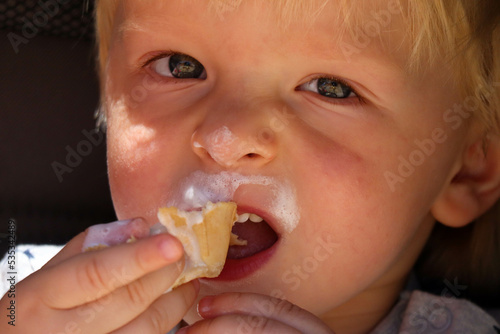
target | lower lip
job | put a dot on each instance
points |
(242, 268)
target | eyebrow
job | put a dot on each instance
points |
(132, 25)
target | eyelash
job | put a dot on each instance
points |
(358, 99)
(156, 57)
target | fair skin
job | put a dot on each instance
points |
(363, 236)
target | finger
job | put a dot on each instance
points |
(89, 276)
(165, 313)
(72, 248)
(135, 227)
(125, 303)
(262, 306)
(239, 323)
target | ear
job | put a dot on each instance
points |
(475, 188)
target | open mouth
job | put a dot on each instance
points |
(256, 231)
(261, 244)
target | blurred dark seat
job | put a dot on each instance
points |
(48, 94)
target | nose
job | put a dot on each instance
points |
(233, 146)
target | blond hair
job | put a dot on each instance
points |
(466, 35)
(463, 32)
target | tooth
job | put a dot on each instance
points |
(243, 217)
(254, 218)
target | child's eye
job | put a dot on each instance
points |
(328, 87)
(178, 66)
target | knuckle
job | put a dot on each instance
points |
(238, 298)
(158, 318)
(263, 324)
(136, 292)
(284, 307)
(252, 323)
(214, 326)
(92, 275)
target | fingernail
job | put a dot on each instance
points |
(170, 249)
(205, 305)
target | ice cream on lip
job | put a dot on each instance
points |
(199, 188)
(280, 210)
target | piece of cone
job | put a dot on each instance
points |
(205, 235)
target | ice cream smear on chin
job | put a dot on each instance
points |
(199, 188)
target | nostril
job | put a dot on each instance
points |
(227, 149)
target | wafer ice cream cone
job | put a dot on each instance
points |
(206, 236)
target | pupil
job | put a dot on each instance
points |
(183, 66)
(332, 88)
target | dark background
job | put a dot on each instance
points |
(48, 95)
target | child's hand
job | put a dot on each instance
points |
(253, 313)
(120, 289)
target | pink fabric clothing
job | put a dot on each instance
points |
(420, 312)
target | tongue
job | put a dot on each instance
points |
(259, 237)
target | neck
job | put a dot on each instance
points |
(362, 313)
(377, 302)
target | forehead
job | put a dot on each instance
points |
(330, 28)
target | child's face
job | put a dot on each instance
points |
(261, 111)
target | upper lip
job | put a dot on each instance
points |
(250, 198)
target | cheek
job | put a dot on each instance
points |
(347, 203)
(129, 144)
(351, 197)
(139, 162)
